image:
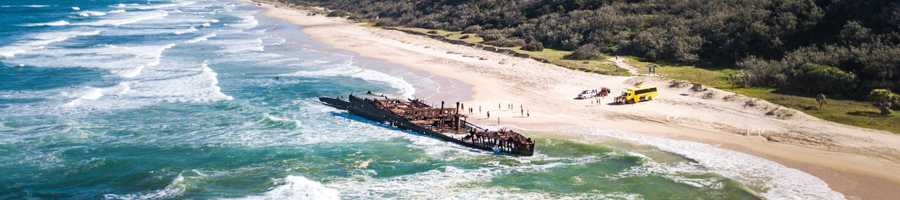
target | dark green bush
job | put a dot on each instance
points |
(506, 42)
(814, 78)
(585, 52)
(432, 32)
(472, 29)
(384, 22)
(490, 35)
(533, 46)
(338, 13)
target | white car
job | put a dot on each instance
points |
(587, 94)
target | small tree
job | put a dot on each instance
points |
(883, 100)
(821, 99)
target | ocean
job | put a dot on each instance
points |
(138, 99)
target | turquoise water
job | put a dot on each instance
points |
(178, 100)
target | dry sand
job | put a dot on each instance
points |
(860, 163)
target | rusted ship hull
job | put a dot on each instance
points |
(445, 124)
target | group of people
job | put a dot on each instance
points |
(522, 111)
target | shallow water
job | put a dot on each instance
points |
(161, 99)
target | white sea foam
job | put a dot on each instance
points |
(193, 86)
(448, 183)
(151, 7)
(117, 11)
(131, 18)
(56, 23)
(298, 187)
(675, 172)
(780, 181)
(10, 52)
(92, 94)
(240, 45)
(171, 83)
(91, 13)
(175, 188)
(82, 95)
(248, 22)
(35, 6)
(406, 89)
(76, 8)
(293, 123)
(201, 38)
(188, 30)
(38, 40)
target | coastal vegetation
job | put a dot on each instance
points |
(772, 41)
(767, 49)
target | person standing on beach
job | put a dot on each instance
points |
(489, 114)
(479, 109)
(498, 120)
(498, 106)
(522, 112)
(528, 113)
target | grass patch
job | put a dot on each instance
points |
(555, 57)
(845, 111)
(709, 76)
(453, 35)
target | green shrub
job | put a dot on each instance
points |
(884, 99)
(432, 32)
(533, 46)
(585, 52)
(506, 42)
(338, 13)
(384, 22)
(354, 17)
(490, 35)
(814, 78)
(472, 29)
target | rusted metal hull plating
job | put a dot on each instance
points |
(443, 123)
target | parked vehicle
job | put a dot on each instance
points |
(586, 94)
(638, 94)
(593, 93)
(603, 92)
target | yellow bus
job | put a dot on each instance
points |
(638, 94)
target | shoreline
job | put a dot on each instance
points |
(857, 163)
(458, 91)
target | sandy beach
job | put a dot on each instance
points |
(857, 162)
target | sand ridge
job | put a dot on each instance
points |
(859, 162)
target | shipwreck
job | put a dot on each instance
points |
(443, 123)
